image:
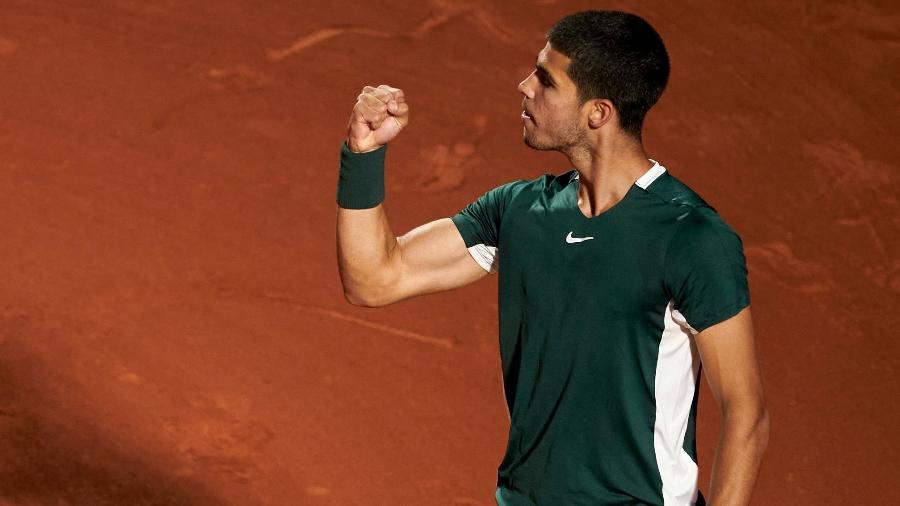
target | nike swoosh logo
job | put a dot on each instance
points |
(572, 240)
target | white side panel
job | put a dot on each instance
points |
(486, 256)
(681, 320)
(676, 379)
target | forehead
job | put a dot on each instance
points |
(553, 60)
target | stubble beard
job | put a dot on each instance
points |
(565, 141)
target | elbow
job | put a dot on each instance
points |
(360, 298)
(750, 424)
(762, 429)
(757, 430)
(373, 289)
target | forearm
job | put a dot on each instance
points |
(365, 246)
(742, 442)
(368, 252)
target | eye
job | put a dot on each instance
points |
(543, 79)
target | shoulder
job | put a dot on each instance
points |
(532, 188)
(703, 244)
(702, 221)
(480, 221)
(694, 217)
(699, 228)
(702, 232)
(671, 190)
(548, 184)
(545, 182)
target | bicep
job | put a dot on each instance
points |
(433, 258)
(728, 353)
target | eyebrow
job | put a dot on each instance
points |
(543, 70)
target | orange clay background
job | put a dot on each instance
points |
(173, 330)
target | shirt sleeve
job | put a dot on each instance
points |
(706, 271)
(479, 225)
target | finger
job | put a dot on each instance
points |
(401, 110)
(370, 117)
(370, 114)
(376, 92)
(367, 117)
(372, 103)
(372, 99)
(390, 96)
(401, 114)
(396, 97)
(396, 93)
(382, 96)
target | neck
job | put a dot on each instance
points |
(606, 170)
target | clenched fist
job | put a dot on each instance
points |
(378, 116)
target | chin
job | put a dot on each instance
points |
(534, 144)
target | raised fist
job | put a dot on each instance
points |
(378, 116)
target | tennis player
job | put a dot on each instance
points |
(617, 283)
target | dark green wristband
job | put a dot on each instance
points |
(361, 178)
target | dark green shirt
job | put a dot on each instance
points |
(597, 315)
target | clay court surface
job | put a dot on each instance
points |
(173, 330)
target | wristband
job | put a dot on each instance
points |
(361, 178)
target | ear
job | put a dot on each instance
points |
(600, 112)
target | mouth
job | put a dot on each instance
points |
(527, 116)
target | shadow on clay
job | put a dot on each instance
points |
(49, 458)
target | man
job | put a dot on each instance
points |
(616, 281)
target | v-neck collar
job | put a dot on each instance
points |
(643, 182)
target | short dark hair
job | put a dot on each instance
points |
(614, 55)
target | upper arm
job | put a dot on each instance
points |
(706, 273)
(728, 353)
(432, 258)
(439, 255)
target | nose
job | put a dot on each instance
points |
(524, 88)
